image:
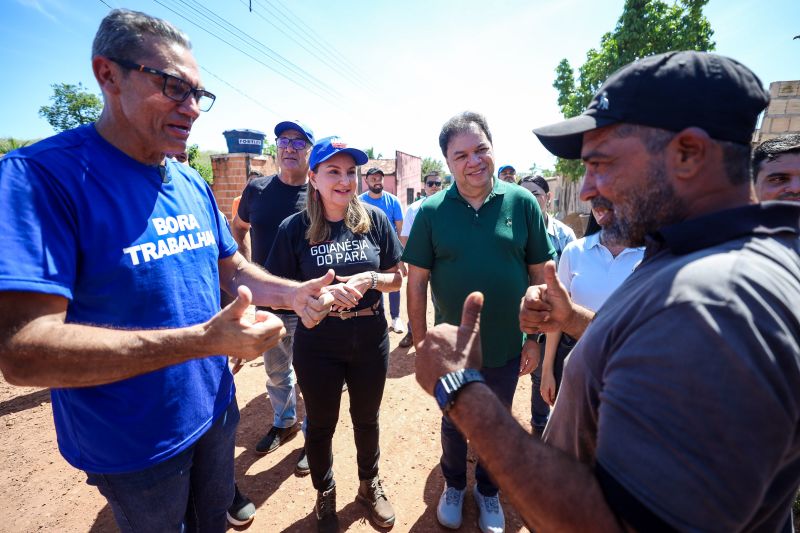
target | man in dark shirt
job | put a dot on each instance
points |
(680, 403)
(265, 203)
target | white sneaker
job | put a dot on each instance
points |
(398, 326)
(448, 512)
(490, 513)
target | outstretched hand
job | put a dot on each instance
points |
(311, 300)
(231, 332)
(447, 348)
(546, 308)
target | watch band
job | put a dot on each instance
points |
(449, 385)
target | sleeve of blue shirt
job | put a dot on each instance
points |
(38, 228)
(397, 211)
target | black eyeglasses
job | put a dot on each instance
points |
(297, 144)
(174, 88)
(433, 183)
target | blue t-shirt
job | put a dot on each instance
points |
(84, 221)
(388, 203)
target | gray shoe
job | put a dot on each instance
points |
(276, 437)
(242, 511)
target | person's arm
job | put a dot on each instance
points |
(536, 274)
(548, 307)
(37, 347)
(417, 300)
(309, 299)
(577, 505)
(348, 293)
(548, 385)
(241, 234)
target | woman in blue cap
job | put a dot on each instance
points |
(351, 345)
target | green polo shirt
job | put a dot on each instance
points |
(487, 250)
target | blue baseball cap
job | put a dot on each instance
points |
(504, 167)
(294, 125)
(329, 147)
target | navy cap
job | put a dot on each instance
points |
(329, 147)
(375, 170)
(294, 125)
(672, 91)
(504, 167)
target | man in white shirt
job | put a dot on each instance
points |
(433, 184)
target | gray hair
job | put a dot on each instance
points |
(122, 33)
(459, 124)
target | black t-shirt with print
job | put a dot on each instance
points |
(265, 203)
(345, 252)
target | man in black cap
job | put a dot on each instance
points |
(266, 202)
(680, 404)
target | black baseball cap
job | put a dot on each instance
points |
(672, 91)
(375, 170)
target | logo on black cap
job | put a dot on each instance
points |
(603, 101)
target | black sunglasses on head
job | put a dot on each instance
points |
(174, 88)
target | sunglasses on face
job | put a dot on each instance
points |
(433, 183)
(174, 88)
(297, 144)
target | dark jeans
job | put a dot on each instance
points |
(540, 411)
(186, 493)
(355, 351)
(394, 304)
(503, 382)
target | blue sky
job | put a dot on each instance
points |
(382, 74)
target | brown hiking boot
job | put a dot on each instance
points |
(325, 509)
(370, 493)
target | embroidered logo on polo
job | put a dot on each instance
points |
(158, 249)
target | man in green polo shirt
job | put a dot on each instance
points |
(480, 235)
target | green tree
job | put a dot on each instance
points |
(430, 164)
(270, 148)
(371, 153)
(196, 161)
(646, 27)
(71, 106)
(9, 144)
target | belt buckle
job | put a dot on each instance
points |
(344, 315)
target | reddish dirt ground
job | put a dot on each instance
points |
(41, 492)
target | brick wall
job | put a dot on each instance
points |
(783, 113)
(230, 175)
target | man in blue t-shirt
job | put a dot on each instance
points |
(389, 204)
(109, 289)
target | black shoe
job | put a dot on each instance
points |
(242, 511)
(406, 341)
(301, 468)
(325, 509)
(276, 437)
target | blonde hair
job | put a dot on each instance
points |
(356, 218)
